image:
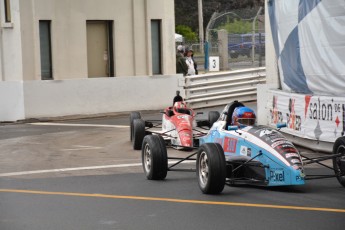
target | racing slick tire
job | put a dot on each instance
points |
(339, 162)
(132, 117)
(138, 133)
(154, 157)
(213, 116)
(211, 168)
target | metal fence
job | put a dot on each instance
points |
(215, 89)
(245, 41)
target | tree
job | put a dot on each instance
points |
(186, 32)
(186, 12)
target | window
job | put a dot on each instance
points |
(156, 46)
(7, 10)
(45, 50)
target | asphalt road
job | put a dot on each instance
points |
(83, 174)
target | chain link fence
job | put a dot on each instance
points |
(238, 42)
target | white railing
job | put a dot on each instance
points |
(215, 89)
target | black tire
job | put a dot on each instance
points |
(339, 147)
(154, 157)
(138, 133)
(213, 116)
(249, 53)
(132, 117)
(211, 168)
(234, 55)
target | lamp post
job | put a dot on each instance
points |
(201, 26)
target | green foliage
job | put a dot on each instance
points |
(237, 27)
(186, 32)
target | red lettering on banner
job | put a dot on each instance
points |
(230, 144)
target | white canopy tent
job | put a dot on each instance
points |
(178, 38)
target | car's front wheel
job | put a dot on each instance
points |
(211, 168)
(154, 157)
(339, 162)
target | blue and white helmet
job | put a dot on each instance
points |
(243, 116)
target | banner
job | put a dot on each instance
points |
(309, 41)
(313, 117)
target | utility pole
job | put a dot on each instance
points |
(201, 26)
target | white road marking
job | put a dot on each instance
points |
(68, 169)
(79, 125)
(74, 169)
(82, 147)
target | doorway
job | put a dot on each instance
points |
(100, 59)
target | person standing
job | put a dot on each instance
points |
(190, 62)
(181, 66)
(177, 97)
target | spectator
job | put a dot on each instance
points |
(181, 66)
(190, 62)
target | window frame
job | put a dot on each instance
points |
(50, 56)
(156, 48)
(7, 11)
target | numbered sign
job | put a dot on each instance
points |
(213, 63)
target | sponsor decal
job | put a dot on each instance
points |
(265, 132)
(230, 144)
(278, 139)
(293, 120)
(295, 161)
(277, 175)
(296, 167)
(249, 152)
(288, 149)
(276, 116)
(289, 155)
(299, 178)
(243, 150)
(322, 111)
(274, 145)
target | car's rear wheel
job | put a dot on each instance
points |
(211, 168)
(138, 133)
(132, 117)
(339, 162)
(154, 157)
(213, 117)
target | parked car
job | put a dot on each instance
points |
(241, 44)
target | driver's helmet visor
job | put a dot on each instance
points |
(246, 121)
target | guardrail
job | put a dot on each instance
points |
(216, 89)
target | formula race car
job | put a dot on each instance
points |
(241, 154)
(178, 127)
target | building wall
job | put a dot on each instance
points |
(10, 47)
(68, 17)
(71, 92)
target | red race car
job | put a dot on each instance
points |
(178, 127)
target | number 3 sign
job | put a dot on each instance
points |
(213, 63)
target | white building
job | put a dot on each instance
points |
(69, 57)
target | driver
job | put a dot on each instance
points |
(243, 116)
(181, 107)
